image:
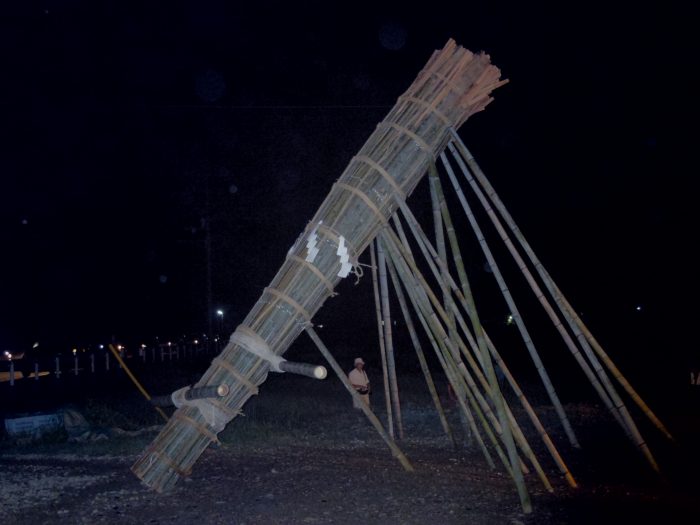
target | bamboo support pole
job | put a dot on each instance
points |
(602, 393)
(136, 381)
(388, 339)
(382, 349)
(458, 343)
(563, 468)
(515, 312)
(440, 243)
(519, 436)
(395, 450)
(441, 214)
(419, 352)
(585, 332)
(470, 390)
(439, 202)
(516, 464)
(618, 406)
(465, 414)
(428, 320)
(505, 417)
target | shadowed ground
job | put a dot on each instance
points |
(302, 455)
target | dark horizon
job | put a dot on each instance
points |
(119, 117)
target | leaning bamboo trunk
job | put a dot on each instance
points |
(454, 85)
(380, 331)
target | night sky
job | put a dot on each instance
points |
(126, 124)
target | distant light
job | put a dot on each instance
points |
(639, 308)
(509, 319)
(100, 346)
(75, 351)
(196, 341)
(35, 345)
(119, 347)
(219, 312)
(143, 346)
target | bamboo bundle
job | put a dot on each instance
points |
(454, 84)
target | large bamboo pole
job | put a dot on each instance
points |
(466, 417)
(429, 323)
(617, 374)
(618, 406)
(454, 85)
(388, 339)
(602, 393)
(487, 385)
(457, 258)
(514, 461)
(380, 331)
(440, 242)
(515, 312)
(419, 351)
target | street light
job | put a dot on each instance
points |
(220, 314)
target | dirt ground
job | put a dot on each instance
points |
(348, 476)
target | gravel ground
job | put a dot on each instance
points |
(324, 476)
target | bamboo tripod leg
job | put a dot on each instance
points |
(465, 415)
(519, 436)
(533, 418)
(400, 255)
(428, 321)
(515, 462)
(457, 258)
(602, 393)
(419, 352)
(534, 354)
(584, 332)
(395, 450)
(382, 349)
(388, 339)
(619, 409)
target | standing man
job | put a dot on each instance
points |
(360, 382)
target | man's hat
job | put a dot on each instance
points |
(358, 360)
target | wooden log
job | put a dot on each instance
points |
(454, 85)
